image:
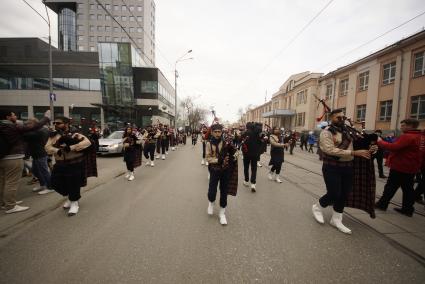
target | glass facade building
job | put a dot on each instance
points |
(67, 30)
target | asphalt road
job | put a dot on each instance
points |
(156, 230)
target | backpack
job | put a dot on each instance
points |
(5, 145)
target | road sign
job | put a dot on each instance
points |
(52, 97)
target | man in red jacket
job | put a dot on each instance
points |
(404, 161)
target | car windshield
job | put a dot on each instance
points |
(115, 135)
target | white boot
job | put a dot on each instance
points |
(127, 175)
(253, 187)
(259, 165)
(157, 157)
(74, 208)
(278, 179)
(67, 204)
(131, 177)
(246, 183)
(336, 221)
(222, 217)
(271, 176)
(163, 157)
(317, 213)
(152, 164)
(148, 163)
(206, 163)
(210, 210)
(203, 162)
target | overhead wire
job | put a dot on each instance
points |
(139, 50)
(372, 40)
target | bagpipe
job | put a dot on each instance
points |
(361, 140)
(66, 138)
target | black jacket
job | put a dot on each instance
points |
(253, 143)
(36, 140)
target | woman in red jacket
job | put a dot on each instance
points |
(404, 162)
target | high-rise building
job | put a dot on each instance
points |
(82, 24)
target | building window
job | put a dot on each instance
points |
(131, 8)
(116, 29)
(123, 39)
(92, 17)
(108, 38)
(80, 38)
(107, 18)
(139, 19)
(139, 8)
(301, 97)
(92, 39)
(108, 6)
(99, 38)
(343, 87)
(139, 30)
(100, 28)
(131, 30)
(361, 113)
(328, 94)
(300, 119)
(80, 28)
(139, 40)
(80, 48)
(123, 8)
(99, 7)
(419, 64)
(418, 107)
(388, 73)
(124, 18)
(99, 17)
(116, 7)
(107, 28)
(363, 81)
(385, 111)
(92, 6)
(92, 28)
(131, 19)
(116, 39)
(92, 48)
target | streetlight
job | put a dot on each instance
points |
(51, 96)
(176, 75)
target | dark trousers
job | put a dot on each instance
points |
(204, 145)
(66, 179)
(129, 157)
(149, 150)
(164, 146)
(310, 150)
(420, 189)
(193, 141)
(276, 168)
(380, 162)
(41, 170)
(215, 178)
(395, 180)
(291, 149)
(247, 161)
(339, 183)
(303, 144)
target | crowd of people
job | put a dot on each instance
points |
(63, 158)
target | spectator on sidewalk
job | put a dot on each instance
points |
(11, 157)
(379, 156)
(404, 161)
(311, 141)
(36, 140)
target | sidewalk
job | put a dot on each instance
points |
(108, 168)
(304, 170)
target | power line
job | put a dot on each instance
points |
(36, 11)
(293, 39)
(372, 40)
(139, 50)
(150, 38)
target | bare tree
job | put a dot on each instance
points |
(195, 114)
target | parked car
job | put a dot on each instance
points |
(111, 144)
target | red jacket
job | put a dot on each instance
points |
(405, 155)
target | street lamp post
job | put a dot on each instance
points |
(176, 75)
(51, 96)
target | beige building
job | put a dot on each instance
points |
(380, 90)
(383, 88)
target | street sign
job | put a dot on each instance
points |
(52, 97)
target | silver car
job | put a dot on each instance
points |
(111, 144)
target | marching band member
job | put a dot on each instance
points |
(276, 154)
(132, 152)
(150, 137)
(71, 169)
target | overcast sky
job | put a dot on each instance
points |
(238, 45)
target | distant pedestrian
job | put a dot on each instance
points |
(311, 139)
(11, 157)
(405, 161)
(303, 141)
(276, 154)
(251, 149)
